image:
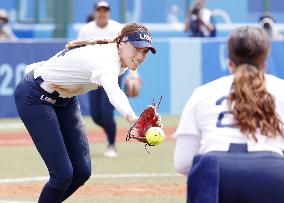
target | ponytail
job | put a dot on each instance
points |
(80, 42)
(127, 30)
(252, 106)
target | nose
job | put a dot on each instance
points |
(141, 56)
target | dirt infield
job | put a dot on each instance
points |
(94, 136)
(95, 190)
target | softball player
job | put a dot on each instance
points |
(47, 104)
(235, 122)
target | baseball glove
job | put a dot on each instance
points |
(147, 119)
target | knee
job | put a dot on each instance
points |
(107, 117)
(82, 175)
(61, 181)
(96, 118)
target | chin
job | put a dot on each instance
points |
(132, 67)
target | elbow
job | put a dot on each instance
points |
(181, 167)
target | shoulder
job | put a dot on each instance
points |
(216, 88)
(274, 81)
(274, 84)
(273, 78)
(206, 11)
(102, 50)
(105, 53)
(88, 26)
(224, 82)
(114, 24)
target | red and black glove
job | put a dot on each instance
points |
(147, 119)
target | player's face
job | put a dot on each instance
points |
(131, 56)
(101, 16)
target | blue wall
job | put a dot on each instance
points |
(180, 65)
(15, 55)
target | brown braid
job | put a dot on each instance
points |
(128, 29)
(253, 107)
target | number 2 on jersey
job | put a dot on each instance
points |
(221, 116)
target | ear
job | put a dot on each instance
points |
(232, 65)
(263, 66)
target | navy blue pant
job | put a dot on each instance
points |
(244, 177)
(102, 112)
(57, 130)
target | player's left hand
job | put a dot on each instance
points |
(147, 119)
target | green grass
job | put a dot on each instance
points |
(24, 161)
(168, 121)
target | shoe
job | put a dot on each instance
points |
(111, 151)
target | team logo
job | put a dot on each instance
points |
(47, 99)
(145, 37)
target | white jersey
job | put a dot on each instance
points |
(92, 31)
(86, 68)
(206, 116)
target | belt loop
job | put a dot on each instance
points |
(238, 148)
(39, 80)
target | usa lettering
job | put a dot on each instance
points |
(47, 99)
(145, 36)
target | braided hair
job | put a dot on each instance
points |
(128, 29)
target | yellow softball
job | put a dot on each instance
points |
(155, 135)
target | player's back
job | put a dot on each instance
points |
(216, 123)
(79, 65)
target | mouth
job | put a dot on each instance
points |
(136, 62)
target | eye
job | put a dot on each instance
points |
(146, 51)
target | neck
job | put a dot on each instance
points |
(101, 25)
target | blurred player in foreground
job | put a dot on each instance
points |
(236, 123)
(47, 104)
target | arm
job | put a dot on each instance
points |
(117, 97)
(209, 26)
(206, 19)
(81, 33)
(132, 84)
(187, 147)
(187, 136)
(187, 20)
(7, 29)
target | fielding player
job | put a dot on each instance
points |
(47, 104)
(236, 122)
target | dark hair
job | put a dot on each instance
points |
(195, 11)
(253, 107)
(4, 19)
(128, 29)
(89, 18)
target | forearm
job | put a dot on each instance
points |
(187, 146)
(208, 26)
(117, 97)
